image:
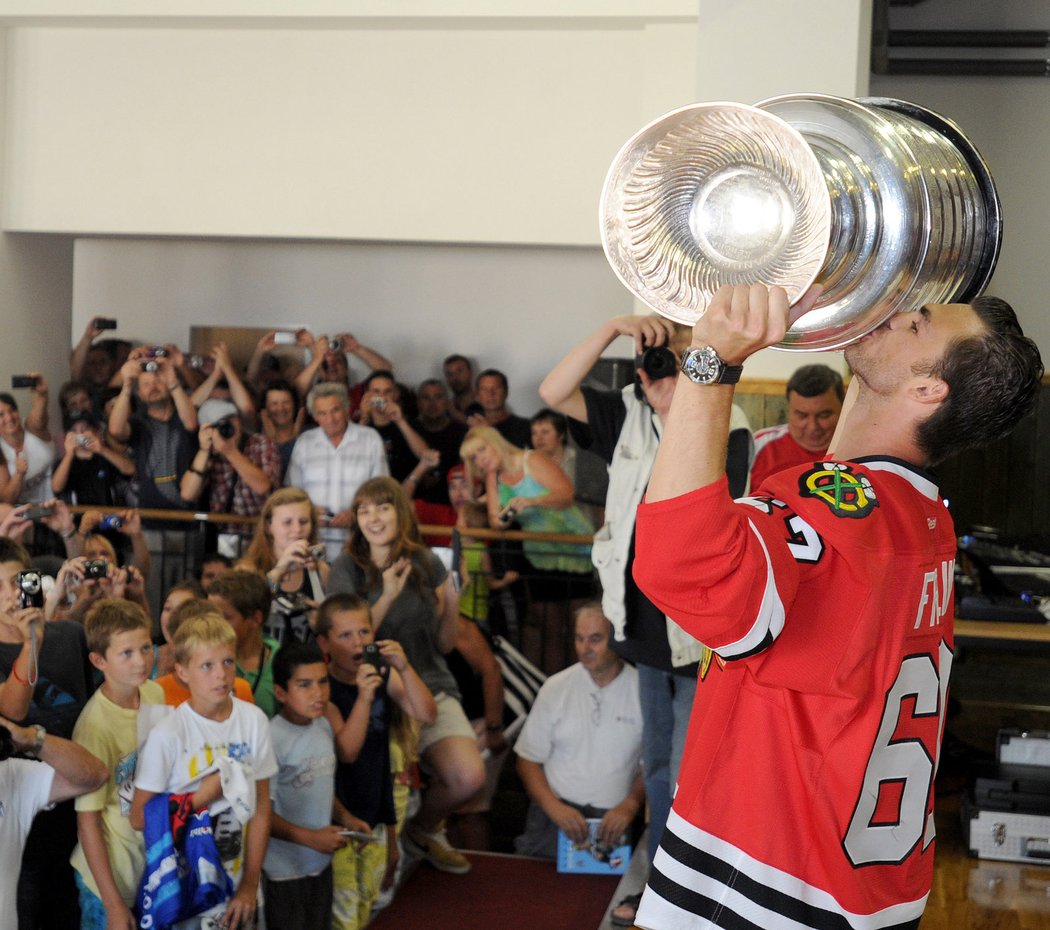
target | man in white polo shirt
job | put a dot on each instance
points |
(332, 461)
(579, 753)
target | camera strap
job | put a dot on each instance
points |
(34, 669)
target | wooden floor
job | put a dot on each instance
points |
(981, 894)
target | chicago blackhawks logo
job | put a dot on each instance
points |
(847, 494)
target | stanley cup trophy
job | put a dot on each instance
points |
(887, 205)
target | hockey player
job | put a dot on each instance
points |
(805, 797)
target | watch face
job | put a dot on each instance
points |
(702, 365)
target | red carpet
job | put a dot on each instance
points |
(504, 892)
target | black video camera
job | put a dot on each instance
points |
(657, 362)
(225, 427)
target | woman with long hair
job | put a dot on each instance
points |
(285, 549)
(525, 487)
(413, 601)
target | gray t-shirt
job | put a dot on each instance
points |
(301, 793)
(412, 619)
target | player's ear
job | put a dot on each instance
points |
(928, 389)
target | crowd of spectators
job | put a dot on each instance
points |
(270, 648)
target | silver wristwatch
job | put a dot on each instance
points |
(703, 366)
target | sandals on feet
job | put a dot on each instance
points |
(624, 913)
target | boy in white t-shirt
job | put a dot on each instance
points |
(184, 754)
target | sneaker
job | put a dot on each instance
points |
(436, 849)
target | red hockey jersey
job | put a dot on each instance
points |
(805, 797)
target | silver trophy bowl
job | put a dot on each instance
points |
(884, 203)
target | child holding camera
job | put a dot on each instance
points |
(47, 681)
(364, 676)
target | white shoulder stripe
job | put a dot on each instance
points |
(921, 484)
(770, 619)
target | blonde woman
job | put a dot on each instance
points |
(285, 549)
(532, 490)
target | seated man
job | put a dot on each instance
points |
(579, 753)
(814, 402)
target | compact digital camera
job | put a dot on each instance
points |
(372, 656)
(96, 568)
(30, 588)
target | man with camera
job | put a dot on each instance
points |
(381, 409)
(626, 427)
(161, 433)
(328, 364)
(239, 471)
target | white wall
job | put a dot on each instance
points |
(424, 132)
(36, 279)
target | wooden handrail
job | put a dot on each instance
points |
(427, 529)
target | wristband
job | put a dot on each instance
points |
(38, 744)
(494, 727)
(70, 534)
(197, 471)
(17, 677)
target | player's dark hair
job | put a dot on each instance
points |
(993, 382)
(814, 380)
